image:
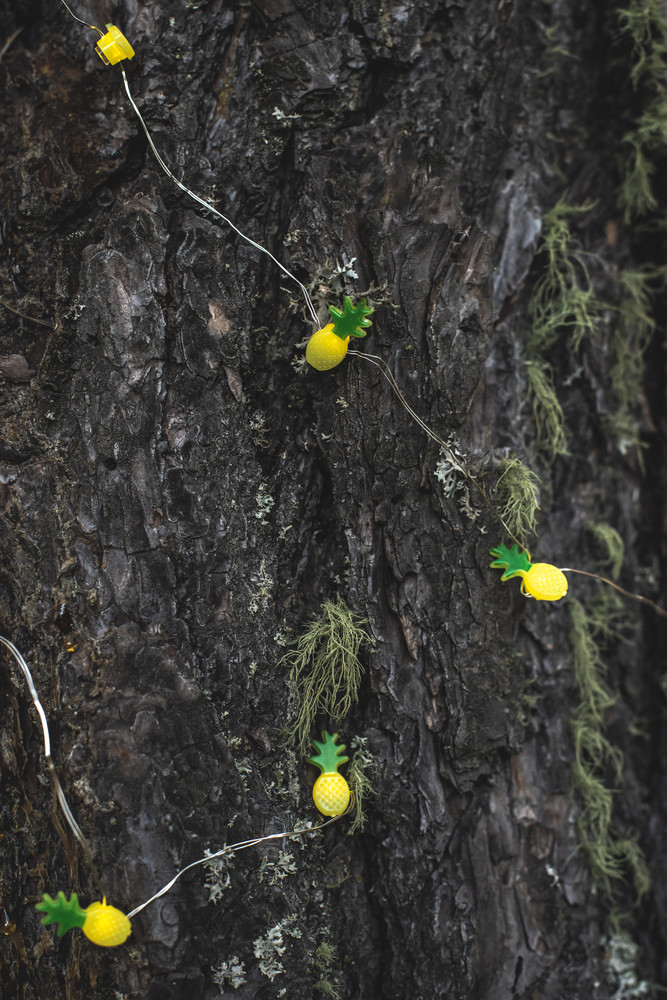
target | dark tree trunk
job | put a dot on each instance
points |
(183, 492)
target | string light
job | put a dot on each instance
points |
(113, 47)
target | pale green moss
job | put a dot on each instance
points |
(607, 616)
(630, 337)
(609, 859)
(562, 304)
(636, 197)
(327, 989)
(325, 669)
(518, 496)
(325, 957)
(361, 785)
(550, 436)
(644, 23)
(612, 544)
(563, 299)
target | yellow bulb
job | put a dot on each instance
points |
(545, 582)
(105, 925)
(113, 46)
(331, 793)
(325, 349)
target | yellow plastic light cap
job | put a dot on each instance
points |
(113, 46)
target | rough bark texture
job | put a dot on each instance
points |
(182, 492)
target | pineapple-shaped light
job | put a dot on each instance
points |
(327, 347)
(331, 792)
(542, 581)
(102, 924)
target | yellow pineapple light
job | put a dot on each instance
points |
(331, 792)
(327, 347)
(102, 924)
(542, 581)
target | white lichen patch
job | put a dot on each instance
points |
(231, 972)
(622, 955)
(265, 503)
(259, 432)
(274, 871)
(263, 589)
(282, 638)
(268, 950)
(218, 877)
(447, 474)
(291, 926)
(244, 768)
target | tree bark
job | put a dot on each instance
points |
(178, 495)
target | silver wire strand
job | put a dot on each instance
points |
(229, 849)
(33, 692)
(55, 781)
(210, 208)
(93, 27)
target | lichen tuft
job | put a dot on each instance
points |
(325, 669)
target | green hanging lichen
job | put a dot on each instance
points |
(550, 436)
(644, 24)
(517, 493)
(325, 669)
(630, 336)
(595, 759)
(613, 546)
(563, 299)
(563, 303)
(361, 785)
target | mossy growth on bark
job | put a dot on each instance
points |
(644, 24)
(361, 786)
(550, 436)
(596, 761)
(563, 298)
(325, 669)
(630, 336)
(518, 497)
(563, 302)
(325, 958)
(613, 545)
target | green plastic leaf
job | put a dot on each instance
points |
(514, 561)
(352, 321)
(328, 757)
(66, 913)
